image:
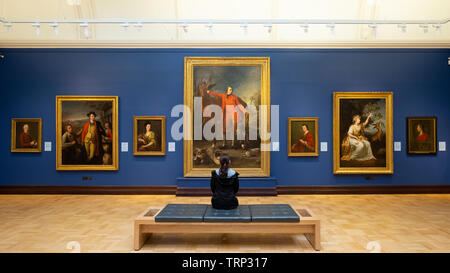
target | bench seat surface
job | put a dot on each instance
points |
(182, 213)
(241, 214)
(274, 213)
(244, 213)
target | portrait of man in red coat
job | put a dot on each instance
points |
(421, 135)
(235, 92)
(305, 143)
(229, 113)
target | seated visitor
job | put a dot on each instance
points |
(224, 185)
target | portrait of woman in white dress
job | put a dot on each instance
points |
(355, 145)
(362, 132)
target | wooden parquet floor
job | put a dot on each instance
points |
(104, 223)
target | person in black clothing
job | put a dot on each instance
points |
(224, 185)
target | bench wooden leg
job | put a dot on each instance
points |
(139, 237)
(314, 238)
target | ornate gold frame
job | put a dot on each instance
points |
(337, 169)
(316, 137)
(409, 136)
(189, 63)
(163, 135)
(38, 149)
(115, 115)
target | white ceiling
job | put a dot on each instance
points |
(24, 34)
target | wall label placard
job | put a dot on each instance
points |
(324, 146)
(442, 146)
(171, 146)
(47, 146)
(124, 147)
(397, 146)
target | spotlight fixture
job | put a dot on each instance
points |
(269, 28)
(138, 26)
(209, 26)
(55, 28)
(425, 28)
(37, 26)
(305, 28)
(125, 26)
(438, 28)
(8, 26)
(185, 27)
(73, 2)
(374, 29)
(86, 29)
(244, 27)
(332, 28)
(402, 27)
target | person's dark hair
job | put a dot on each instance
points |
(305, 126)
(91, 113)
(224, 165)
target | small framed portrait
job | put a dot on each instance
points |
(149, 137)
(87, 133)
(421, 135)
(26, 135)
(303, 137)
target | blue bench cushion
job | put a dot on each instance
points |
(273, 213)
(182, 213)
(241, 214)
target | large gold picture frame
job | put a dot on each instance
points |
(75, 117)
(372, 153)
(159, 132)
(34, 135)
(306, 151)
(190, 63)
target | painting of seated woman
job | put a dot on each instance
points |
(149, 135)
(362, 132)
(303, 136)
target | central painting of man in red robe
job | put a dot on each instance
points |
(231, 92)
(232, 89)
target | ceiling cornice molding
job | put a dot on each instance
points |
(209, 44)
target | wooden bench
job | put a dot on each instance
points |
(145, 226)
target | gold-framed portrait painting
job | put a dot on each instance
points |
(421, 137)
(303, 136)
(87, 133)
(149, 135)
(224, 83)
(26, 135)
(362, 133)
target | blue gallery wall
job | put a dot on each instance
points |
(150, 82)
